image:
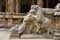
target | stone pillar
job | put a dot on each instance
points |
(0, 8)
(17, 6)
(40, 3)
(9, 6)
(10, 23)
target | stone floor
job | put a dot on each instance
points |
(4, 35)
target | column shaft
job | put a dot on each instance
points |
(40, 3)
(10, 6)
(17, 6)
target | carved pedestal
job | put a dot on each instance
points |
(14, 35)
(57, 35)
(57, 30)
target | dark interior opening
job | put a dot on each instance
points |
(44, 3)
(35, 2)
(3, 8)
(3, 5)
(25, 5)
(24, 8)
(50, 3)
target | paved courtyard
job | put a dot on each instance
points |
(4, 35)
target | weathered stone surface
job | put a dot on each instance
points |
(9, 7)
(34, 21)
(14, 35)
(4, 35)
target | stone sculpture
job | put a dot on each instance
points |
(33, 22)
(34, 18)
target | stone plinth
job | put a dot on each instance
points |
(14, 35)
(57, 35)
(30, 36)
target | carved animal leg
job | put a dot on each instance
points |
(51, 30)
(29, 29)
(48, 31)
(38, 30)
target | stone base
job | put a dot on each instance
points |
(30, 36)
(57, 36)
(15, 35)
